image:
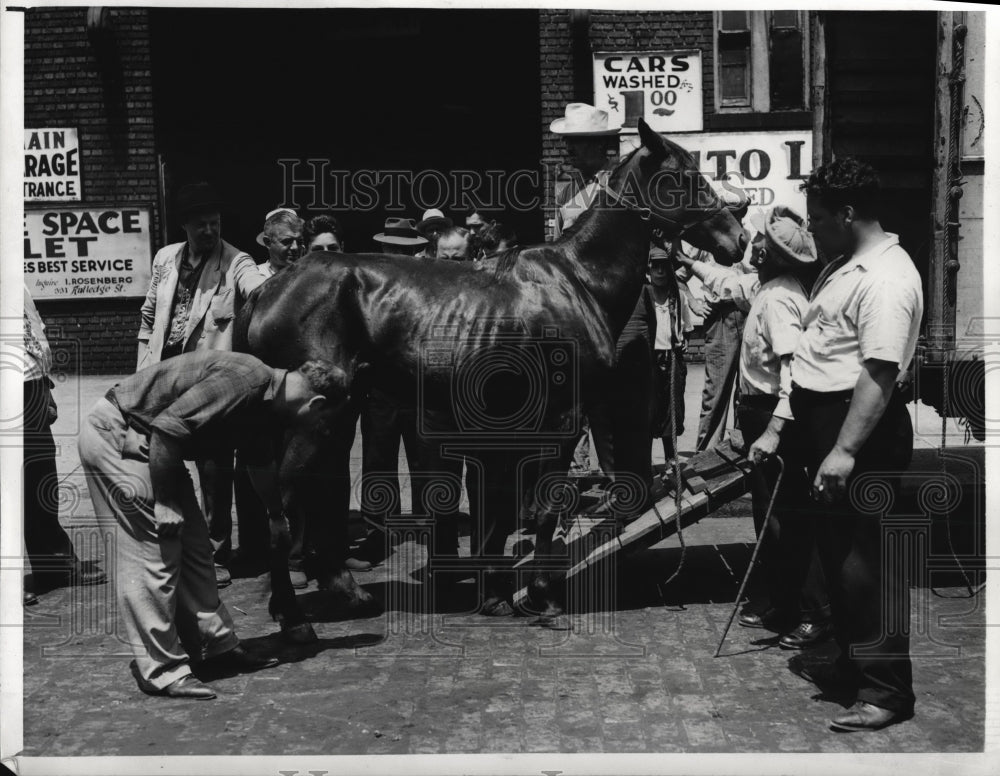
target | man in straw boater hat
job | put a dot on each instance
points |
(430, 227)
(194, 293)
(859, 333)
(282, 236)
(791, 595)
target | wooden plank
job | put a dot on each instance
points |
(586, 540)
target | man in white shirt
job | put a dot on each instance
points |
(859, 332)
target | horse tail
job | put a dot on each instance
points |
(241, 323)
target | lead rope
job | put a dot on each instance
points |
(677, 465)
(945, 409)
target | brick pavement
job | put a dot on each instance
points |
(639, 679)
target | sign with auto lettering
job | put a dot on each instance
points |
(87, 253)
(663, 87)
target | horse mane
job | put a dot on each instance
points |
(505, 262)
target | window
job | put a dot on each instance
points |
(761, 60)
(734, 58)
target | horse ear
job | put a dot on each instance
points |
(651, 140)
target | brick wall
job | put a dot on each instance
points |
(105, 91)
(615, 31)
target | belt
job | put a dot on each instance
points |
(821, 397)
(758, 400)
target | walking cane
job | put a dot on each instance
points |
(753, 558)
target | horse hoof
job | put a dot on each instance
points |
(497, 607)
(302, 633)
(557, 622)
(364, 607)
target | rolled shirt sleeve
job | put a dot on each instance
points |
(887, 316)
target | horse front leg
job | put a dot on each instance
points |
(496, 519)
(328, 520)
(551, 496)
(283, 606)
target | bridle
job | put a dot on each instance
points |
(658, 222)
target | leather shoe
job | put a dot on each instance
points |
(769, 620)
(30, 599)
(356, 564)
(222, 576)
(299, 579)
(188, 686)
(865, 716)
(239, 660)
(807, 634)
(76, 574)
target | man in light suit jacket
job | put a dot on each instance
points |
(194, 293)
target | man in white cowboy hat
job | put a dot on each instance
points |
(585, 130)
(430, 227)
(191, 303)
(791, 596)
(282, 236)
(400, 236)
(588, 139)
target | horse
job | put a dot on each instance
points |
(499, 356)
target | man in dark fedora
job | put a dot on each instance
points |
(400, 236)
(431, 226)
(191, 303)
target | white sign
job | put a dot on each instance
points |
(768, 167)
(87, 253)
(662, 87)
(51, 165)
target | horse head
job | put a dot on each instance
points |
(662, 181)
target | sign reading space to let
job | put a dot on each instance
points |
(87, 253)
(51, 165)
(663, 87)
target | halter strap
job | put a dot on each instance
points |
(646, 214)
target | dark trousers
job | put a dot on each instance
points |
(668, 392)
(384, 421)
(48, 545)
(791, 577)
(865, 573)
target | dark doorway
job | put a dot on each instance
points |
(237, 90)
(881, 82)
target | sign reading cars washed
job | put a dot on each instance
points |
(768, 167)
(51, 165)
(663, 87)
(87, 252)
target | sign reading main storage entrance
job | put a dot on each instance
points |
(51, 165)
(80, 253)
(662, 87)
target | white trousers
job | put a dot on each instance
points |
(168, 599)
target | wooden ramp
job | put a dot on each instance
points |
(710, 480)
